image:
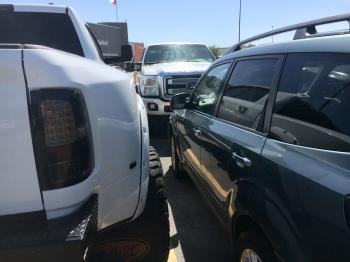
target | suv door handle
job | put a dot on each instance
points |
(197, 132)
(241, 161)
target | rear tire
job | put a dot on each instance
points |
(254, 245)
(176, 167)
(156, 211)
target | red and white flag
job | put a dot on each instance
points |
(114, 2)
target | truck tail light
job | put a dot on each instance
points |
(61, 137)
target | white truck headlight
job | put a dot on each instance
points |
(149, 86)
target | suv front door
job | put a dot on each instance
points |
(202, 105)
(233, 140)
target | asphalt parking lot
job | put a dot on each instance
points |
(196, 234)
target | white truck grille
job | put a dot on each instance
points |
(178, 84)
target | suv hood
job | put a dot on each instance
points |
(178, 67)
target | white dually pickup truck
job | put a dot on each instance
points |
(74, 147)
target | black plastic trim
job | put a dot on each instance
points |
(22, 229)
(32, 231)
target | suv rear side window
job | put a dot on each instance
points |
(47, 29)
(247, 92)
(313, 102)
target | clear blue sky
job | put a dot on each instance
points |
(206, 21)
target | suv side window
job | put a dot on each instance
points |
(246, 95)
(313, 102)
(206, 93)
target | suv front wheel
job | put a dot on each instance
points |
(254, 247)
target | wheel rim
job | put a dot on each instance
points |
(172, 154)
(249, 255)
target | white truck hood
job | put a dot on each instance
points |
(175, 68)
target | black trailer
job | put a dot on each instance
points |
(111, 38)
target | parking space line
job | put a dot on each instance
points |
(175, 253)
(172, 256)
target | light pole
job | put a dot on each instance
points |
(116, 11)
(239, 20)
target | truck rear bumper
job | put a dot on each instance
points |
(31, 237)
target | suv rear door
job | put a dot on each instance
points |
(233, 140)
(307, 153)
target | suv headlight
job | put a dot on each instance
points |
(149, 86)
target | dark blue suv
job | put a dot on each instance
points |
(265, 136)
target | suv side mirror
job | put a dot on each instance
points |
(138, 67)
(126, 53)
(128, 66)
(179, 101)
(131, 66)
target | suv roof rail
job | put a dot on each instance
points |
(303, 30)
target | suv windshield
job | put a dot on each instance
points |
(47, 29)
(177, 53)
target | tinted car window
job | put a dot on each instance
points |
(314, 113)
(246, 94)
(51, 30)
(205, 95)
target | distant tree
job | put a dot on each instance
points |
(215, 50)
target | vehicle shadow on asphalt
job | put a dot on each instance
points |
(199, 233)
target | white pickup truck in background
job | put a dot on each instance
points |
(168, 69)
(74, 154)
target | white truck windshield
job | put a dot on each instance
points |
(177, 53)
